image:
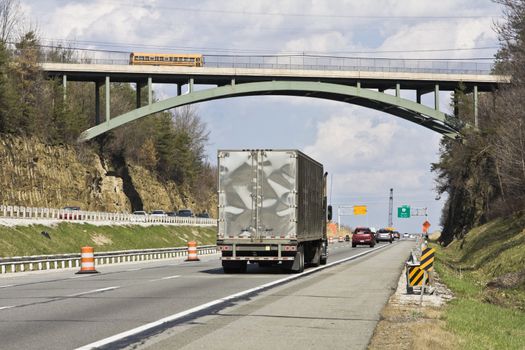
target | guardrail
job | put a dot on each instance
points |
(21, 212)
(62, 261)
(291, 62)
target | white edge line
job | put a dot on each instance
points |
(94, 291)
(173, 317)
(8, 285)
(7, 307)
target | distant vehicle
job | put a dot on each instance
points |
(139, 212)
(171, 213)
(203, 215)
(406, 235)
(69, 213)
(363, 236)
(166, 59)
(396, 234)
(347, 238)
(384, 235)
(72, 208)
(187, 213)
(158, 212)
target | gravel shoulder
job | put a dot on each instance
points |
(407, 323)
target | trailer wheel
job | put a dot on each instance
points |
(234, 266)
(298, 263)
(316, 260)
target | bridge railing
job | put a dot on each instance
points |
(31, 213)
(293, 62)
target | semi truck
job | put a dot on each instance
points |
(272, 210)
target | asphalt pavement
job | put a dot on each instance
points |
(61, 310)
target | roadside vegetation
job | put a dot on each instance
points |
(483, 175)
(68, 238)
(485, 272)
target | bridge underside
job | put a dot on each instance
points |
(392, 104)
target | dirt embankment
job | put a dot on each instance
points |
(39, 175)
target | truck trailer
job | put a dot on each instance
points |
(272, 210)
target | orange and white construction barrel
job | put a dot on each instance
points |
(87, 260)
(192, 251)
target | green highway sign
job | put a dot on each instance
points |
(403, 212)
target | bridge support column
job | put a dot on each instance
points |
(190, 85)
(108, 100)
(98, 84)
(398, 90)
(64, 86)
(150, 90)
(418, 96)
(138, 93)
(358, 85)
(179, 89)
(436, 97)
(475, 100)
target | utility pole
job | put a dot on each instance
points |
(390, 208)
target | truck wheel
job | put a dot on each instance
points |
(390, 241)
(298, 263)
(316, 260)
(234, 266)
(354, 245)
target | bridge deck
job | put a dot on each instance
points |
(382, 80)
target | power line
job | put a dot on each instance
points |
(303, 15)
(230, 50)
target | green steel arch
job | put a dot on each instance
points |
(395, 105)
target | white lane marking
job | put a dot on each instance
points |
(7, 307)
(185, 313)
(134, 269)
(78, 276)
(94, 291)
(170, 277)
(164, 278)
(8, 285)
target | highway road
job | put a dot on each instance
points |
(62, 310)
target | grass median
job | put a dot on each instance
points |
(69, 237)
(486, 272)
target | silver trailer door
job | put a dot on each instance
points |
(277, 194)
(257, 194)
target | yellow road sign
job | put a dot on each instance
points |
(359, 209)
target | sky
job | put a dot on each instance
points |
(366, 152)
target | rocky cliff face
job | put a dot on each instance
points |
(39, 175)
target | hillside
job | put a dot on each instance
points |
(39, 175)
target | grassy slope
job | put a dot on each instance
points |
(483, 317)
(68, 238)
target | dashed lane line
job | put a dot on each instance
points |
(93, 291)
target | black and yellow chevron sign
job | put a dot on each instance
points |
(415, 276)
(427, 259)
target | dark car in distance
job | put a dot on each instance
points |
(203, 215)
(185, 213)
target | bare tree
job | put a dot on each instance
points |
(9, 18)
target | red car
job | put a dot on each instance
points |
(363, 236)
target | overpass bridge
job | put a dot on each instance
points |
(372, 83)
